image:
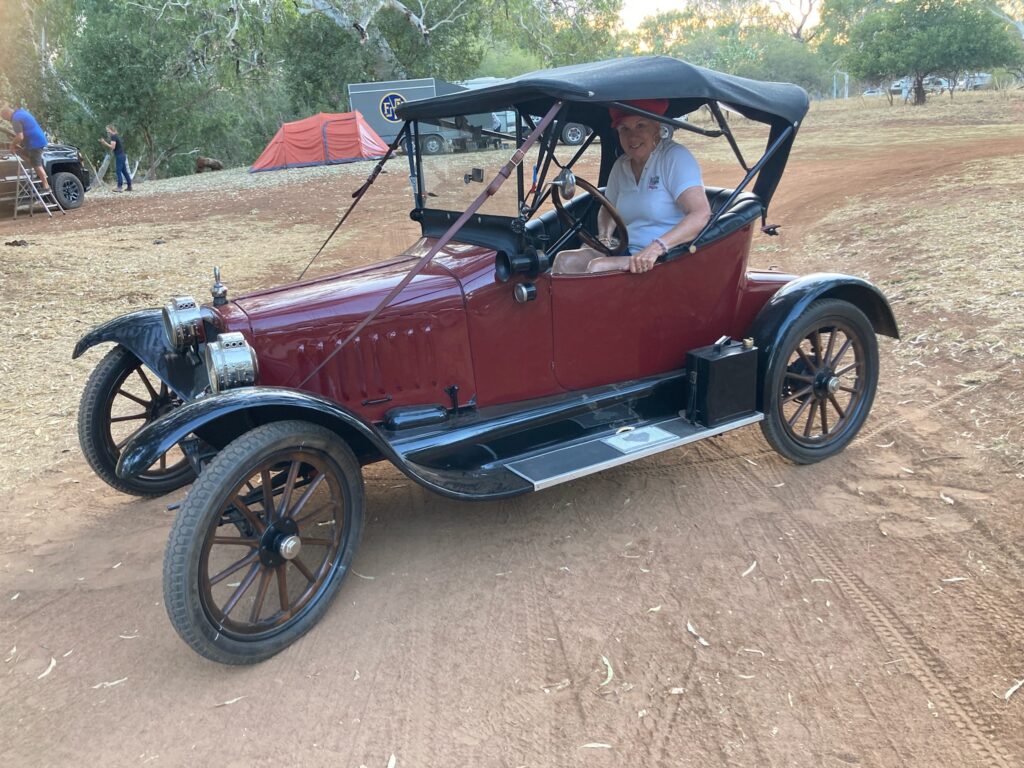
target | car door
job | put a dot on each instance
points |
(617, 326)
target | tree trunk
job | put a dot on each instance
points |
(919, 95)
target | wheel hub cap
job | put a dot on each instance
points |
(280, 542)
(289, 547)
(825, 383)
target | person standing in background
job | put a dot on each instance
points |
(116, 145)
(28, 137)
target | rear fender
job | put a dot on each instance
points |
(790, 301)
(142, 334)
(219, 419)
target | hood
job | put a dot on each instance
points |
(348, 297)
(61, 149)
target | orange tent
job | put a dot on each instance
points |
(321, 140)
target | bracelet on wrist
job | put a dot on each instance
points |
(664, 248)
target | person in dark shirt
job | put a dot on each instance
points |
(116, 145)
(29, 138)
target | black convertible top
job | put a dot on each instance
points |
(588, 89)
(590, 86)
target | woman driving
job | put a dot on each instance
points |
(656, 186)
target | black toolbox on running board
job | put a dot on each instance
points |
(722, 382)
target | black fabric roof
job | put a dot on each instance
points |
(587, 87)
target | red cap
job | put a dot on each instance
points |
(657, 106)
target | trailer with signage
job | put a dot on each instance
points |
(378, 103)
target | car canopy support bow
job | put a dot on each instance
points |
(514, 162)
(358, 194)
(742, 185)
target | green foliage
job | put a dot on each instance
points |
(453, 51)
(505, 59)
(318, 61)
(741, 38)
(557, 32)
(220, 76)
(928, 37)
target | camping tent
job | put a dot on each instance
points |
(320, 140)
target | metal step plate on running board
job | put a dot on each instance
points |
(560, 465)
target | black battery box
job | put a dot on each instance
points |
(722, 381)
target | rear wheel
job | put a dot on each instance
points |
(68, 190)
(432, 145)
(263, 541)
(573, 134)
(121, 397)
(820, 385)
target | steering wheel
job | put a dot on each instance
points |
(572, 222)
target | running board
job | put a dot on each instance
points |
(560, 465)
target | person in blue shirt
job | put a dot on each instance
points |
(29, 139)
(116, 145)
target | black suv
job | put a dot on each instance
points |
(68, 177)
(64, 168)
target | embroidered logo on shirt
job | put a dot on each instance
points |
(653, 183)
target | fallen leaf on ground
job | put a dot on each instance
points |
(49, 669)
(110, 684)
(693, 631)
(1013, 689)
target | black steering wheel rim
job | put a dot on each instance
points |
(569, 220)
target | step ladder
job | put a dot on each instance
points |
(31, 191)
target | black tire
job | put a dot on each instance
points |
(574, 134)
(820, 385)
(228, 513)
(122, 391)
(432, 144)
(68, 190)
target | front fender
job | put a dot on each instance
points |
(790, 301)
(255, 405)
(142, 334)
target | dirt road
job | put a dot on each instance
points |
(713, 606)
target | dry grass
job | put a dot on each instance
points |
(953, 256)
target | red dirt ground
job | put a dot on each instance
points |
(859, 612)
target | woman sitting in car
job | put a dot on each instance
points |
(656, 187)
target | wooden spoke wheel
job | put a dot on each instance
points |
(263, 541)
(121, 397)
(569, 221)
(820, 382)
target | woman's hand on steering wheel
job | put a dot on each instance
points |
(597, 243)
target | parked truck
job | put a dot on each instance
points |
(378, 102)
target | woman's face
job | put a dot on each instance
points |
(638, 137)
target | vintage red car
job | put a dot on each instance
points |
(465, 362)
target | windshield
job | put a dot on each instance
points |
(462, 155)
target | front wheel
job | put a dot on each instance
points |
(68, 190)
(121, 397)
(263, 541)
(820, 384)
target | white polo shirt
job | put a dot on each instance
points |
(649, 206)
